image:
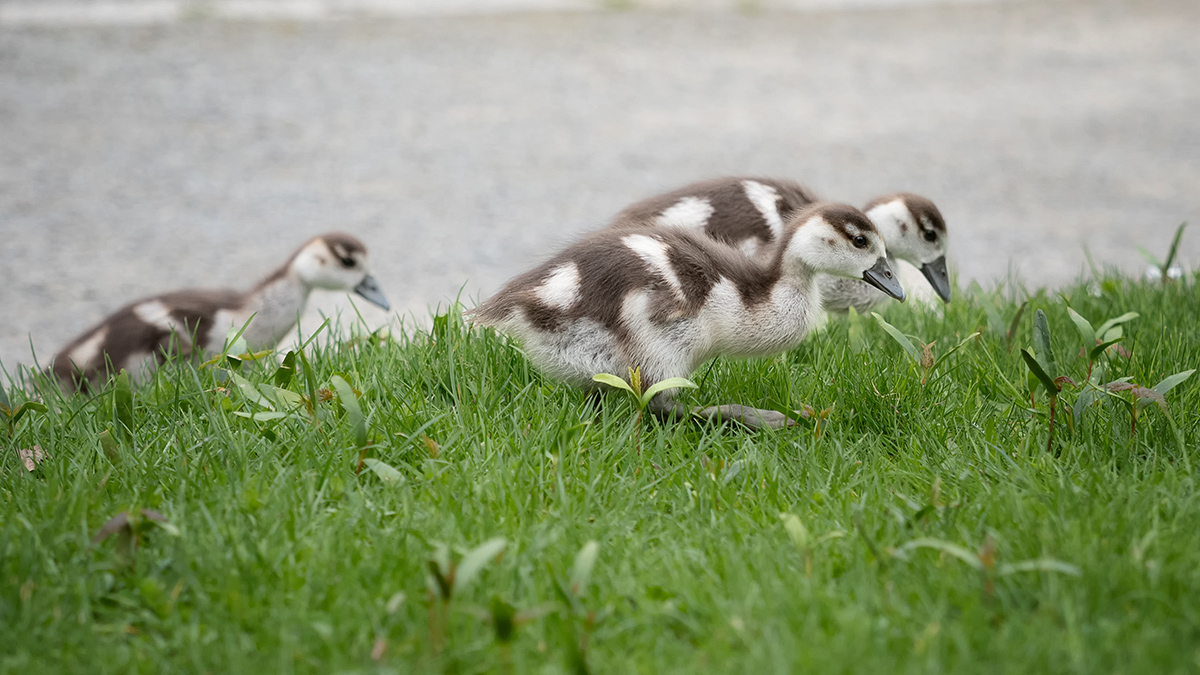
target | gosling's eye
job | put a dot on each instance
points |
(930, 235)
(347, 262)
(860, 241)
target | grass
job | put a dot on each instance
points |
(924, 529)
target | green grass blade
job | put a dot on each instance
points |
(1174, 249)
(123, 403)
(899, 337)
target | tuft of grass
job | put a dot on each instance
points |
(427, 502)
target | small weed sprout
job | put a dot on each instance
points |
(803, 540)
(13, 415)
(570, 596)
(1165, 270)
(923, 358)
(985, 560)
(447, 579)
(1136, 398)
(642, 398)
(1043, 370)
(131, 528)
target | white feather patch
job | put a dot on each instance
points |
(687, 213)
(766, 200)
(158, 315)
(82, 355)
(560, 290)
(654, 252)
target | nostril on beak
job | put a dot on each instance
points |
(888, 274)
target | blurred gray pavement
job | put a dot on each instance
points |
(136, 159)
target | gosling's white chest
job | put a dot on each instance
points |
(776, 324)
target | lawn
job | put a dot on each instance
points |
(463, 514)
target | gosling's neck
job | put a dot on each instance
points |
(277, 303)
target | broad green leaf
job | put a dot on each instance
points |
(669, 383)
(167, 526)
(1039, 565)
(1103, 330)
(358, 423)
(613, 381)
(1086, 333)
(1171, 382)
(1036, 369)
(441, 559)
(386, 473)
(1041, 344)
(28, 406)
(262, 415)
(829, 536)
(1096, 351)
(286, 397)
(503, 619)
(250, 356)
(286, 371)
(472, 563)
(110, 446)
(899, 337)
(394, 602)
(581, 572)
(251, 392)
(234, 344)
(731, 471)
(796, 530)
(947, 548)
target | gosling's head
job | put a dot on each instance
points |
(840, 240)
(916, 233)
(338, 262)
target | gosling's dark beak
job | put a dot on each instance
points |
(935, 272)
(369, 289)
(882, 277)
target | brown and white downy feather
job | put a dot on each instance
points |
(140, 335)
(664, 300)
(747, 213)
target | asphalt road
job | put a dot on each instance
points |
(138, 159)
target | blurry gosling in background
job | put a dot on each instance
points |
(140, 335)
(664, 300)
(749, 213)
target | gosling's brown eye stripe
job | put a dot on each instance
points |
(847, 220)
